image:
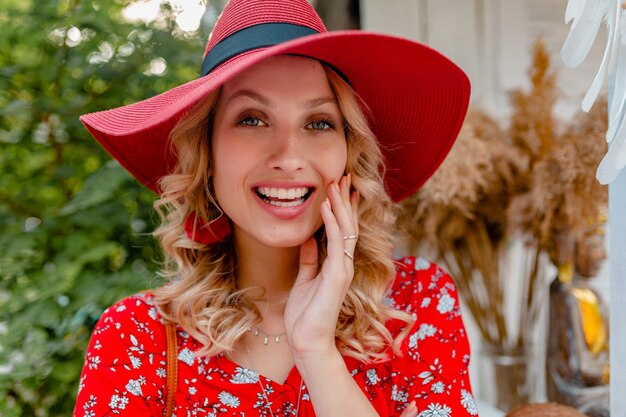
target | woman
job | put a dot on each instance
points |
(277, 229)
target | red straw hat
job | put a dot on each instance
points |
(417, 97)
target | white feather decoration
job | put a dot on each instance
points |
(610, 166)
(615, 159)
(574, 10)
(609, 52)
(586, 17)
(584, 30)
(618, 89)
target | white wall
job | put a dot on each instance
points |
(490, 39)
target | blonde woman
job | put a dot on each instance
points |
(277, 173)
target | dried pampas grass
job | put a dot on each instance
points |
(562, 193)
(535, 180)
(459, 214)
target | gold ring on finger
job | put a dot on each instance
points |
(351, 237)
(348, 254)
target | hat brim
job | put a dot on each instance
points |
(417, 99)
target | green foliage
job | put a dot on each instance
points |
(74, 226)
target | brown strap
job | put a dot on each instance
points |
(172, 367)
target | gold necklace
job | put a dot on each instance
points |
(266, 336)
(262, 385)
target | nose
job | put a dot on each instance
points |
(287, 152)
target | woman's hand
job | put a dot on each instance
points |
(317, 296)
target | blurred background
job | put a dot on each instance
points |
(75, 227)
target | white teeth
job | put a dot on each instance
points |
(283, 193)
(286, 203)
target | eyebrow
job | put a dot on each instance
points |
(309, 104)
(316, 102)
(250, 94)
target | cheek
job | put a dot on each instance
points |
(222, 176)
(233, 163)
(225, 170)
(337, 161)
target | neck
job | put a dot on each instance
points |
(272, 269)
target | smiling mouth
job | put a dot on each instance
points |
(284, 197)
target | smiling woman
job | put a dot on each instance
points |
(277, 214)
(275, 128)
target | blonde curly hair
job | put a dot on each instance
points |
(203, 294)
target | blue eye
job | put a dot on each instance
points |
(322, 124)
(251, 121)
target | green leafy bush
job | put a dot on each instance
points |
(74, 226)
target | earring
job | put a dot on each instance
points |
(213, 231)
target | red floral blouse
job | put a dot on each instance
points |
(125, 365)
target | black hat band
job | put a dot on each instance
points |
(250, 38)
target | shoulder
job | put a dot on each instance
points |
(428, 293)
(136, 313)
(126, 331)
(420, 284)
(125, 364)
(432, 365)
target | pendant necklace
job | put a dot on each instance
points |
(267, 337)
(262, 385)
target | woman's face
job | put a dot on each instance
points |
(278, 142)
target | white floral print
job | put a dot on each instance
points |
(94, 362)
(372, 377)
(467, 401)
(436, 410)
(413, 341)
(91, 402)
(244, 376)
(421, 264)
(228, 399)
(437, 387)
(134, 387)
(398, 394)
(425, 330)
(445, 304)
(135, 362)
(126, 364)
(118, 402)
(186, 356)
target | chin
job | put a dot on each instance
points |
(286, 235)
(293, 237)
(285, 241)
